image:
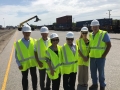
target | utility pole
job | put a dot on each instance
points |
(109, 20)
(109, 13)
(4, 22)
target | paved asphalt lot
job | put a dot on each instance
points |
(10, 76)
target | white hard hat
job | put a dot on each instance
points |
(53, 35)
(26, 28)
(70, 35)
(95, 23)
(84, 29)
(44, 30)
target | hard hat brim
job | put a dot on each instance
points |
(69, 37)
(84, 30)
(44, 32)
(94, 25)
(27, 31)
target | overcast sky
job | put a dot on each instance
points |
(16, 11)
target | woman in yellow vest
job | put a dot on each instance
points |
(69, 62)
(53, 55)
(83, 61)
(24, 54)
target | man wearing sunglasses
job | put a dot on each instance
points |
(69, 67)
(99, 47)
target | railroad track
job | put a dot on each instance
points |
(3, 32)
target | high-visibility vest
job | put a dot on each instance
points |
(41, 51)
(84, 49)
(97, 46)
(69, 60)
(55, 61)
(26, 55)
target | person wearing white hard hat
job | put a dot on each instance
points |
(99, 47)
(83, 60)
(24, 54)
(69, 62)
(53, 58)
(40, 52)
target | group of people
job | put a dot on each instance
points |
(54, 60)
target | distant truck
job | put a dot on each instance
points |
(21, 24)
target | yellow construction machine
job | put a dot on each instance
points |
(21, 24)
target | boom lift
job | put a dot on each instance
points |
(21, 24)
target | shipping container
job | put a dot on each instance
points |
(64, 19)
(64, 23)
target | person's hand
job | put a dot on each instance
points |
(40, 64)
(52, 72)
(103, 56)
(86, 59)
(20, 67)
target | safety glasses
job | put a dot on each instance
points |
(70, 39)
(54, 40)
(84, 32)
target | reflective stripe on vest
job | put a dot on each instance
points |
(21, 55)
(66, 60)
(54, 67)
(80, 45)
(98, 45)
(38, 50)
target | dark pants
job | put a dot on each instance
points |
(43, 74)
(69, 81)
(56, 83)
(97, 64)
(25, 78)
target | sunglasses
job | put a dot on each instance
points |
(70, 39)
(54, 40)
(84, 32)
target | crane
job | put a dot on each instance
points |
(21, 24)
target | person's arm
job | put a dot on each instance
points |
(51, 69)
(36, 56)
(48, 61)
(85, 58)
(17, 61)
(106, 39)
(37, 59)
(108, 44)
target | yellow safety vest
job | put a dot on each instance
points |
(26, 55)
(97, 46)
(69, 60)
(55, 62)
(84, 50)
(41, 50)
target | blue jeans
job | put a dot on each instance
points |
(97, 64)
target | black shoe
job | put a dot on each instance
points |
(93, 87)
(47, 89)
(102, 88)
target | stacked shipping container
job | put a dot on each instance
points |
(64, 22)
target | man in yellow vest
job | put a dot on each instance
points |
(24, 54)
(40, 52)
(69, 61)
(99, 47)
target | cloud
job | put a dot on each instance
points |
(49, 10)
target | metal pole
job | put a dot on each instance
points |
(109, 18)
(109, 13)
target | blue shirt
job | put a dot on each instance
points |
(106, 38)
(26, 42)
